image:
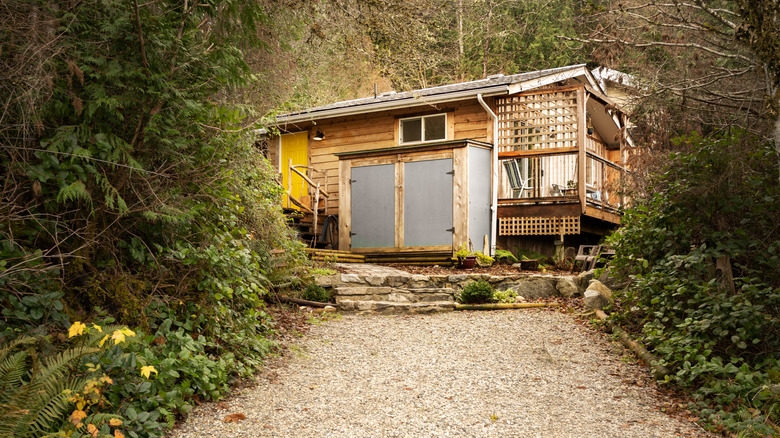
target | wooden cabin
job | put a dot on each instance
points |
(532, 160)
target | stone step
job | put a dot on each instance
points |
(379, 289)
(529, 286)
(391, 307)
(399, 295)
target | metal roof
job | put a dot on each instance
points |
(498, 84)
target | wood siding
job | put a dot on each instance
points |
(465, 120)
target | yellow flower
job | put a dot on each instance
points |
(76, 329)
(115, 422)
(97, 327)
(147, 371)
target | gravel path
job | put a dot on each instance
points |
(528, 373)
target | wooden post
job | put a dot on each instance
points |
(623, 135)
(289, 181)
(582, 122)
(399, 201)
(603, 185)
(316, 212)
(460, 187)
(345, 205)
(559, 249)
(326, 189)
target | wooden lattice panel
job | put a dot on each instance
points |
(537, 121)
(538, 226)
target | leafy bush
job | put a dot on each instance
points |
(506, 296)
(138, 191)
(315, 292)
(43, 397)
(479, 292)
(702, 255)
(504, 256)
(484, 260)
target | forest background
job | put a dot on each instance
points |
(139, 223)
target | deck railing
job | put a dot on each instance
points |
(307, 189)
(604, 182)
(550, 155)
(553, 176)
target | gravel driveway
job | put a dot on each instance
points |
(515, 373)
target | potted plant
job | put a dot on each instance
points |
(468, 258)
(571, 188)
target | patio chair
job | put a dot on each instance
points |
(518, 183)
(587, 254)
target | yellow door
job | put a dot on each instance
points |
(294, 147)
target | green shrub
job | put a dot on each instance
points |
(479, 292)
(484, 260)
(504, 256)
(315, 292)
(505, 296)
(720, 202)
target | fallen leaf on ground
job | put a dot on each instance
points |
(234, 418)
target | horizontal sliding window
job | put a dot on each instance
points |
(425, 128)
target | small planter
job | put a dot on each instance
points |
(467, 262)
(529, 265)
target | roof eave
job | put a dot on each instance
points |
(406, 102)
(542, 81)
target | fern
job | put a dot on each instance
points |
(33, 396)
(74, 192)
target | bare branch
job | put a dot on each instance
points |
(662, 44)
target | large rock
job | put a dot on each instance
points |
(567, 287)
(608, 279)
(325, 280)
(537, 288)
(597, 296)
(583, 279)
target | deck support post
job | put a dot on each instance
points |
(559, 247)
(582, 122)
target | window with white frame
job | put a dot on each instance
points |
(424, 128)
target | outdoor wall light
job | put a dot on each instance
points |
(319, 135)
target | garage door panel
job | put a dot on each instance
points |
(373, 206)
(428, 203)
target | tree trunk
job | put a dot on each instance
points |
(486, 46)
(460, 39)
(776, 136)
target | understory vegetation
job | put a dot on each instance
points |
(141, 231)
(701, 256)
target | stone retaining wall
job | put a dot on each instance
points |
(529, 286)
